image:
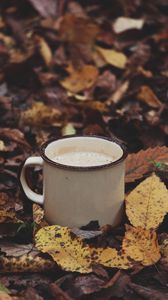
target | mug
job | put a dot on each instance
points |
(75, 195)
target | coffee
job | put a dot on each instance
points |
(83, 159)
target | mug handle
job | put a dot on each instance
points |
(31, 161)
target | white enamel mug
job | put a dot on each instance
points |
(73, 195)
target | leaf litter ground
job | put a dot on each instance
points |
(90, 68)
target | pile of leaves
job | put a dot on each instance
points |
(84, 67)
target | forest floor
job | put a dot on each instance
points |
(80, 67)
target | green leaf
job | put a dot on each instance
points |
(3, 288)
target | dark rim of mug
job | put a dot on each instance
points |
(78, 168)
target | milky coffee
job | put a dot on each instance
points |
(83, 159)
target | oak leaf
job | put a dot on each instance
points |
(147, 204)
(113, 57)
(69, 253)
(147, 96)
(81, 79)
(138, 164)
(110, 257)
(141, 245)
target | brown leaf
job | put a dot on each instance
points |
(7, 209)
(147, 204)
(58, 293)
(79, 80)
(138, 164)
(148, 293)
(141, 245)
(4, 296)
(15, 135)
(147, 96)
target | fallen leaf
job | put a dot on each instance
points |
(86, 234)
(58, 293)
(147, 292)
(138, 164)
(124, 23)
(15, 135)
(164, 248)
(147, 204)
(23, 258)
(119, 93)
(113, 57)
(2, 146)
(68, 129)
(141, 245)
(147, 96)
(7, 209)
(45, 8)
(44, 49)
(41, 115)
(70, 254)
(110, 257)
(81, 79)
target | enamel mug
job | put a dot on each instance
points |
(75, 195)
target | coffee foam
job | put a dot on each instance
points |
(83, 159)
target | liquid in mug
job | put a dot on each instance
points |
(83, 159)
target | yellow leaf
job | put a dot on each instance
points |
(111, 258)
(44, 50)
(147, 96)
(147, 204)
(69, 253)
(141, 245)
(81, 79)
(41, 115)
(113, 57)
(68, 129)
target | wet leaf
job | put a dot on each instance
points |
(148, 97)
(140, 163)
(79, 80)
(41, 115)
(113, 57)
(141, 245)
(123, 24)
(69, 253)
(147, 204)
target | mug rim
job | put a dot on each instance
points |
(83, 168)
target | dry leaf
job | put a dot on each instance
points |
(68, 129)
(38, 217)
(147, 204)
(141, 245)
(123, 24)
(81, 79)
(7, 210)
(113, 57)
(110, 258)
(138, 164)
(147, 96)
(69, 253)
(44, 49)
(23, 258)
(41, 115)
(119, 93)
